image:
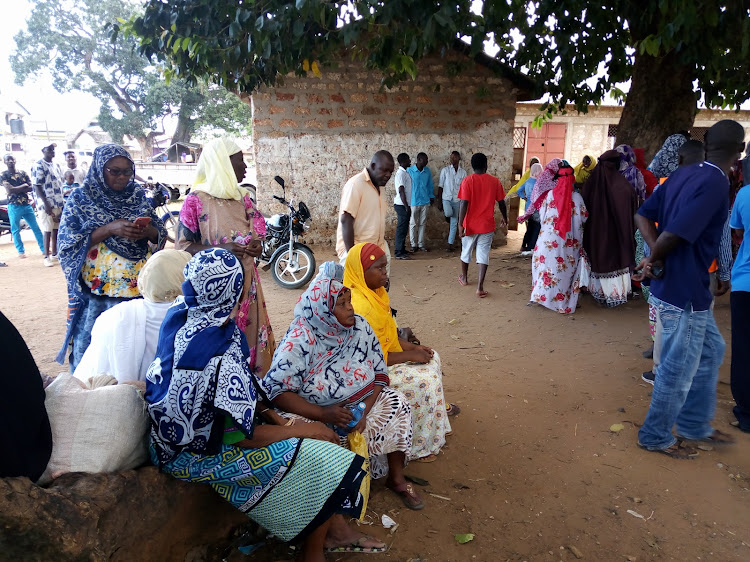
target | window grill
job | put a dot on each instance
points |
(519, 137)
(698, 133)
(612, 131)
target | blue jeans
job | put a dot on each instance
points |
(402, 228)
(451, 209)
(25, 212)
(692, 350)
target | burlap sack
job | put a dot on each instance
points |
(96, 427)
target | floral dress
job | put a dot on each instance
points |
(211, 221)
(557, 266)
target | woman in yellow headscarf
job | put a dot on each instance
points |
(413, 369)
(526, 175)
(219, 213)
(584, 169)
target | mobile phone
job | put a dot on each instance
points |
(142, 221)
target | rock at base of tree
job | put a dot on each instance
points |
(131, 515)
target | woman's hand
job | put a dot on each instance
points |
(316, 430)
(254, 249)
(361, 425)
(336, 415)
(150, 232)
(420, 354)
(126, 229)
(239, 250)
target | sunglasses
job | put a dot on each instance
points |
(117, 172)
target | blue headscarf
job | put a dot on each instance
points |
(90, 206)
(668, 158)
(201, 366)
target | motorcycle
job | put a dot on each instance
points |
(292, 264)
(160, 195)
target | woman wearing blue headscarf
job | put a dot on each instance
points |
(107, 232)
(204, 402)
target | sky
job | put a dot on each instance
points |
(68, 112)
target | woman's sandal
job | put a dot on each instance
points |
(409, 496)
(358, 547)
(716, 438)
(427, 459)
(676, 451)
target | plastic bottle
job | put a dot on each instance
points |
(357, 412)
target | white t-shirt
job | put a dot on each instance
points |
(402, 178)
(450, 181)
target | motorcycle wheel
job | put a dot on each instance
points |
(294, 269)
(171, 220)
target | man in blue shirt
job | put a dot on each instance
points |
(740, 305)
(691, 208)
(422, 196)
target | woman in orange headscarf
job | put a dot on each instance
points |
(413, 369)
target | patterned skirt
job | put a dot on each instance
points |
(388, 429)
(610, 289)
(422, 384)
(289, 488)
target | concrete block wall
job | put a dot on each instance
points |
(318, 132)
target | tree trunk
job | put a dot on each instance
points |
(184, 130)
(661, 102)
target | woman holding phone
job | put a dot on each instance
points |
(107, 232)
(219, 213)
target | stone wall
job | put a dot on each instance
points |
(318, 132)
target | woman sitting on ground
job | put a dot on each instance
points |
(105, 231)
(123, 340)
(328, 362)
(413, 369)
(295, 480)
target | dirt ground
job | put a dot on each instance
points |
(532, 468)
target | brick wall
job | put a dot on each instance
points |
(318, 132)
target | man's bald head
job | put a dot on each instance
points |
(381, 167)
(725, 141)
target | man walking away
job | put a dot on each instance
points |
(363, 207)
(476, 218)
(740, 305)
(422, 196)
(691, 208)
(18, 186)
(450, 181)
(402, 205)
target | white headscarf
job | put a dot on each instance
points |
(215, 174)
(161, 278)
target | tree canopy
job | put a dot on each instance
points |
(71, 41)
(575, 51)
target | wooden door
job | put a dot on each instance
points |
(547, 143)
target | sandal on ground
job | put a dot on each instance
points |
(358, 547)
(462, 281)
(482, 294)
(738, 426)
(676, 451)
(716, 438)
(409, 496)
(452, 409)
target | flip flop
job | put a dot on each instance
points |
(482, 294)
(356, 547)
(409, 496)
(452, 410)
(716, 438)
(676, 451)
(427, 459)
(462, 281)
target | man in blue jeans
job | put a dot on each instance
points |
(691, 208)
(18, 185)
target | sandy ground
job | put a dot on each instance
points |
(532, 469)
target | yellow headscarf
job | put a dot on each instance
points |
(161, 277)
(215, 174)
(582, 173)
(374, 306)
(524, 177)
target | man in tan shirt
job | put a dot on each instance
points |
(363, 206)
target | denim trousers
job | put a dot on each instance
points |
(402, 228)
(417, 225)
(684, 394)
(740, 377)
(25, 212)
(451, 209)
(533, 228)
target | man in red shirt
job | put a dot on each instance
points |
(476, 218)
